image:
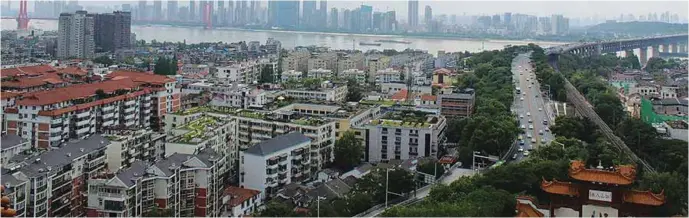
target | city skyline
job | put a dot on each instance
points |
(601, 9)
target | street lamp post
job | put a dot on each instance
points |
(387, 182)
(318, 205)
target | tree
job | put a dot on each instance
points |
(173, 66)
(277, 209)
(100, 94)
(674, 187)
(348, 151)
(575, 127)
(103, 60)
(631, 61)
(266, 74)
(655, 64)
(454, 129)
(162, 66)
(399, 181)
(429, 167)
(353, 90)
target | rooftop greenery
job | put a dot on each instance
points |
(199, 130)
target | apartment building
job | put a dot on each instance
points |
(76, 35)
(356, 74)
(351, 61)
(297, 61)
(243, 72)
(346, 116)
(270, 165)
(271, 64)
(332, 92)
(186, 184)
(291, 75)
(320, 73)
(231, 95)
(388, 75)
(458, 104)
(52, 184)
(375, 64)
(394, 87)
(128, 145)
(12, 145)
(402, 135)
(127, 99)
(316, 63)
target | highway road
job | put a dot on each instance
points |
(530, 107)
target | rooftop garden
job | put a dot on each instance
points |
(385, 102)
(411, 119)
(311, 121)
(199, 130)
(213, 109)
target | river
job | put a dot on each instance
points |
(290, 39)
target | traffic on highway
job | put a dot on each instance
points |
(530, 107)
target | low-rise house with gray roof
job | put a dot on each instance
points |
(272, 164)
(186, 184)
(12, 145)
(54, 180)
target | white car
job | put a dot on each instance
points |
(530, 126)
(523, 127)
(529, 85)
(547, 129)
(520, 149)
(540, 132)
(528, 135)
(540, 109)
(522, 98)
(526, 153)
(533, 140)
(521, 116)
(528, 113)
(530, 121)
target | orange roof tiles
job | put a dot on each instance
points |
(140, 77)
(644, 197)
(73, 92)
(28, 82)
(27, 70)
(429, 97)
(443, 71)
(561, 188)
(525, 208)
(91, 104)
(623, 175)
(8, 95)
(239, 195)
(73, 71)
(399, 95)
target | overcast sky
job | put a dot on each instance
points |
(608, 9)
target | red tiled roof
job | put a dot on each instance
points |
(91, 104)
(8, 95)
(644, 197)
(28, 70)
(400, 95)
(73, 92)
(73, 71)
(442, 71)
(140, 77)
(28, 82)
(239, 195)
(623, 175)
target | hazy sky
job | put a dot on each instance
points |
(608, 9)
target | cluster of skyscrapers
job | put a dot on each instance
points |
(81, 35)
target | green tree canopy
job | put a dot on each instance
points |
(348, 151)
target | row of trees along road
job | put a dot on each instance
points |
(588, 75)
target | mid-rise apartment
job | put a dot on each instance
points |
(113, 31)
(347, 116)
(297, 61)
(76, 35)
(459, 103)
(351, 61)
(127, 99)
(375, 64)
(231, 95)
(402, 135)
(320, 73)
(356, 74)
(185, 184)
(12, 145)
(128, 145)
(270, 165)
(243, 72)
(52, 184)
(291, 75)
(328, 91)
(388, 75)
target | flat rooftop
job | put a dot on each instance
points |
(411, 119)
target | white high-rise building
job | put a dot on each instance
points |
(75, 35)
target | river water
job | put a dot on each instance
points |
(291, 39)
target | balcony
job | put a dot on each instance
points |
(147, 104)
(83, 130)
(130, 102)
(129, 110)
(108, 108)
(56, 121)
(83, 114)
(109, 123)
(108, 115)
(83, 122)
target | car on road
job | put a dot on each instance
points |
(545, 122)
(547, 129)
(522, 98)
(526, 153)
(528, 113)
(530, 121)
(514, 157)
(523, 127)
(521, 116)
(521, 142)
(520, 149)
(530, 126)
(540, 109)
(540, 132)
(520, 137)
(529, 86)
(533, 140)
(528, 135)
